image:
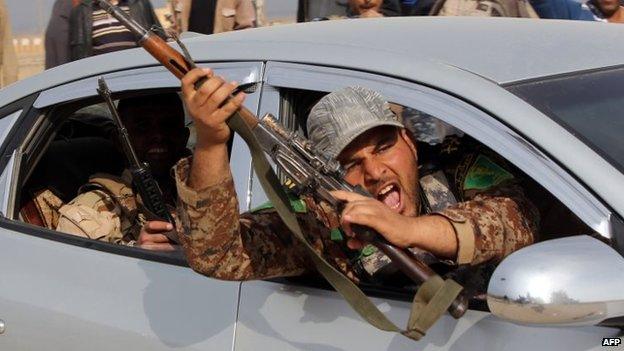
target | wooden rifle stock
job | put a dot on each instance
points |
(177, 64)
(173, 60)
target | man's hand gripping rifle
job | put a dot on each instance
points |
(142, 179)
(309, 172)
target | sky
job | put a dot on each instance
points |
(31, 16)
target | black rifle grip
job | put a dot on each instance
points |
(150, 193)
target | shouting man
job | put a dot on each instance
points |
(356, 126)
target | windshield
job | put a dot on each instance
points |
(590, 105)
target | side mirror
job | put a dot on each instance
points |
(569, 281)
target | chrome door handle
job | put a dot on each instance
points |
(2, 326)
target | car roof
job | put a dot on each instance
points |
(467, 57)
(501, 50)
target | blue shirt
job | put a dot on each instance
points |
(562, 9)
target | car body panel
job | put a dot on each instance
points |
(136, 79)
(275, 316)
(67, 297)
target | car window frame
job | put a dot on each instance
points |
(285, 75)
(471, 119)
(81, 94)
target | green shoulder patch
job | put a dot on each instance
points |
(265, 206)
(484, 174)
(367, 250)
(336, 235)
(296, 204)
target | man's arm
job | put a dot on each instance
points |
(217, 241)
(220, 243)
(490, 226)
(431, 233)
(210, 164)
(493, 224)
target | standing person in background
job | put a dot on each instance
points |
(217, 16)
(57, 33)
(8, 63)
(322, 10)
(562, 9)
(607, 10)
(416, 7)
(92, 31)
(373, 8)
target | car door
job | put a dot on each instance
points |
(62, 292)
(289, 314)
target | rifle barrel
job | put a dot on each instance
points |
(105, 93)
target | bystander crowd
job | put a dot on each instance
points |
(416, 7)
(57, 33)
(373, 8)
(607, 10)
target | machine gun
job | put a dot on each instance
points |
(307, 171)
(142, 179)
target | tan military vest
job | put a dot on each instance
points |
(106, 209)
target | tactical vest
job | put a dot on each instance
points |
(109, 190)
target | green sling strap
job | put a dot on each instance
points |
(432, 299)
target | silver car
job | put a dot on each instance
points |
(546, 95)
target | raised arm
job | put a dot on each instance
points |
(217, 241)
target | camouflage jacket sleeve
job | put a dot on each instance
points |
(220, 243)
(492, 223)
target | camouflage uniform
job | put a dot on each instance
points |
(492, 219)
(106, 209)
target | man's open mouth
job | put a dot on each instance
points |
(391, 196)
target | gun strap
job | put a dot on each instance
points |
(432, 299)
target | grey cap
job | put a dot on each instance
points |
(340, 117)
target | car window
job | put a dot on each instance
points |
(438, 143)
(80, 144)
(590, 114)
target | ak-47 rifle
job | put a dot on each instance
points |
(142, 179)
(308, 172)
